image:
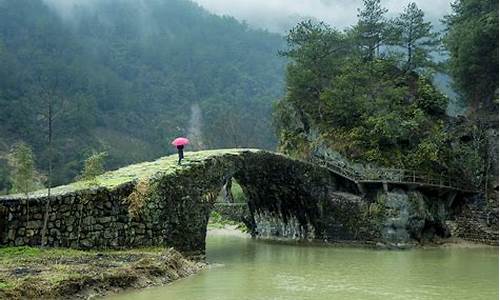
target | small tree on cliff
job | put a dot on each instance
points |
(415, 35)
(370, 31)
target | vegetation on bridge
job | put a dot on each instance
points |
(132, 173)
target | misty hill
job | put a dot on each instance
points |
(128, 76)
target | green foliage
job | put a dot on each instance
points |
(238, 194)
(472, 42)
(93, 167)
(415, 36)
(217, 221)
(23, 177)
(429, 99)
(369, 107)
(129, 73)
(371, 30)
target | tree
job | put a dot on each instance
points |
(371, 28)
(472, 41)
(316, 51)
(367, 111)
(22, 169)
(53, 105)
(94, 166)
(415, 35)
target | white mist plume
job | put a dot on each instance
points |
(194, 131)
(65, 7)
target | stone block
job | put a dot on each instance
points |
(34, 224)
(88, 221)
(108, 234)
(104, 220)
(21, 231)
(54, 232)
(11, 234)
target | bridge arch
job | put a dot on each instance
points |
(289, 191)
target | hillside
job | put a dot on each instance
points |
(126, 77)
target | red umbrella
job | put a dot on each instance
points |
(180, 141)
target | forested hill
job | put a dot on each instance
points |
(127, 76)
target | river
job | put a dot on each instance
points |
(243, 268)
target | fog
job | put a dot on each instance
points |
(280, 15)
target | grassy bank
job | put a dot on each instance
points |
(36, 273)
(217, 221)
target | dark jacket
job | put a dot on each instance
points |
(180, 150)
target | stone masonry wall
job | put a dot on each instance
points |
(81, 220)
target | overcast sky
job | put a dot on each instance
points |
(280, 15)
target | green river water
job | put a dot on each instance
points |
(243, 268)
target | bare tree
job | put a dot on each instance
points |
(53, 103)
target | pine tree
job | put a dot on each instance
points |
(371, 28)
(415, 35)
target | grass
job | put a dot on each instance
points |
(216, 221)
(28, 272)
(238, 194)
(165, 165)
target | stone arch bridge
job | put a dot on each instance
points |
(160, 203)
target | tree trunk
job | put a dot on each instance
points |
(49, 179)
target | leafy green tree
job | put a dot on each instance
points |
(472, 41)
(371, 29)
(412, 33)
(22, 169)
(316, 50)
(371, 111)
(23, 176)
(93, 167)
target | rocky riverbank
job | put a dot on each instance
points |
(34, 273)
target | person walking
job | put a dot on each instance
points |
(180, 151)
(179, 143)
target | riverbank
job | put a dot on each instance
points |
(234, 229)
(36, 273)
